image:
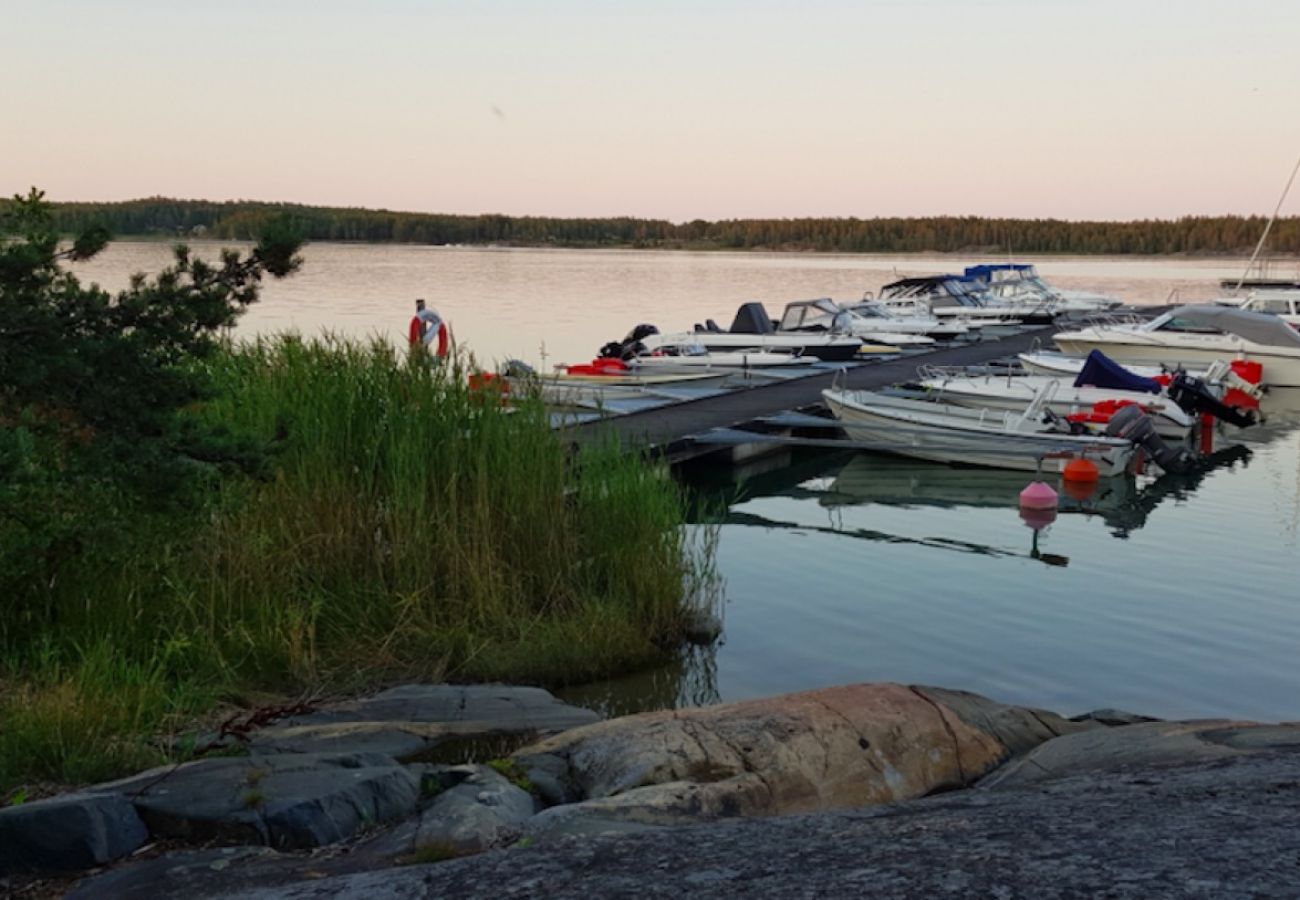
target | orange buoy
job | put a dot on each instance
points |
(1082, 470)
(1079, 490)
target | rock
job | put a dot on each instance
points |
(190, 874)
(483, 811)
(838, 747)
(1143, 745)
(1223, 829)
(68, 833)
(1112, 718)
(451, 722)
(703, 629)
(295, 800)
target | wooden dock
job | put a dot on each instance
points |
(668, 430)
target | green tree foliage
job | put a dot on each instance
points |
(94, 386)
(949, 234)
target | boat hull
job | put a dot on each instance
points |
(898, 427)
(1280, 370)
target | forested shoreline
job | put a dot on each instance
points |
(168, 218)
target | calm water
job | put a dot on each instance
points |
(1175, 598)
(509, 303)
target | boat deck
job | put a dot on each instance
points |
(669, 430)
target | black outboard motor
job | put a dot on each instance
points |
(630, 346)
(1132, 424)
(1194, 396)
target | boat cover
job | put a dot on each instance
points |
(752, 318)
(1099, 370)
(1261, 328)
(985, 272)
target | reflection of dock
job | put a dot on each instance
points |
(669, 429)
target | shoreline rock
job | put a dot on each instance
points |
(857, 751)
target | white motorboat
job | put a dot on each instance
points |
(1046, 362)
(1014, 283)
(825, 315)
(752, 331)
(1285, 304)
(975, 437)
(1192, 337)
(951, 296)
(1015, 392)
(913, 321)
(695, 357)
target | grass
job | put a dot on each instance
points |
(410, 530)
(511, 771)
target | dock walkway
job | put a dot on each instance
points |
(668, 429)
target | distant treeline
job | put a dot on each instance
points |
(192, 218)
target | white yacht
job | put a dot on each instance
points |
(949, 297)
(1194, 336)
(1020, 283)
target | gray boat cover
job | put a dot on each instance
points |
(1261, 328)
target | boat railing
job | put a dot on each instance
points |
(1113, 320)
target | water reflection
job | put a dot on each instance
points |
(689, 680)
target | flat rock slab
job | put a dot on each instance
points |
(448, 722)
(1143, 745)
(293, 800)
(1215, 830)
(68, 833)
(838, 747)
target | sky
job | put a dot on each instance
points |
(1077, 109)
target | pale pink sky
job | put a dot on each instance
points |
(674, 109)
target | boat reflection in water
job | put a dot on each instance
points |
(1121, 503)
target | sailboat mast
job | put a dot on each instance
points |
(1269, 227)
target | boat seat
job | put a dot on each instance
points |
(712, 327)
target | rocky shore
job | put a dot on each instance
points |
(429, 791)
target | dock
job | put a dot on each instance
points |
(669, 431)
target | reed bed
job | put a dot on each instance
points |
(408, 527)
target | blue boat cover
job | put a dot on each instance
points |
(1099, 370)
(985, 272)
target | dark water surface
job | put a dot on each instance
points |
(1174, 597)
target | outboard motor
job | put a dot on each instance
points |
(1132, 424)
(640, 333)
(611, 350)
(1194, 396)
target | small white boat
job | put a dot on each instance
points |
(1015, 392)
(1047, 362)
(957, 435)
(753, 331)
(694, 357)
(825, 315)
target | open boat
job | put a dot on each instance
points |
(1082, 403)
(1033, 440)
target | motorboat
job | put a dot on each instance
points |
(752, 330)
(1082, 403)
(1014, 283)
(1283, 303)
(915, 322)
(825, 315)
(1192, 337)
(949, 297)
(1033, 440)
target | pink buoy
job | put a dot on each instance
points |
(1038, 495)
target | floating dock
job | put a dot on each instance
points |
(670, 431)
